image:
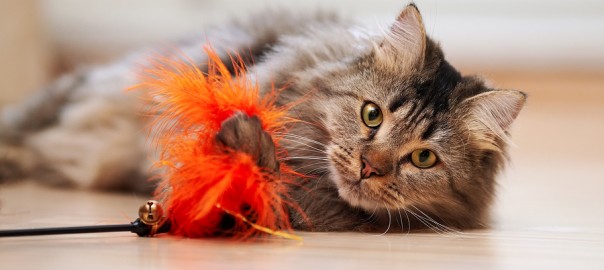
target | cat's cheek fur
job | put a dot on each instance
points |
(347, 183)
(335, 176)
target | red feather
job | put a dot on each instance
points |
(203, 183)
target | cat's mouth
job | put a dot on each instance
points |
(361, 191)
(358, 184)
(369, 195)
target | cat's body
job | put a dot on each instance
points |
(390, 133)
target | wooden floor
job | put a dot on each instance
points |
(549, 213)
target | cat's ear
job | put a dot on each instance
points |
(489, 115)
(404, 46)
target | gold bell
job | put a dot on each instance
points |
(151, 213)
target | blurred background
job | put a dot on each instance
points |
(551, 49)
(39, 39)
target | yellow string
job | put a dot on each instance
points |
(260, 228)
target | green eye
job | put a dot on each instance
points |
(423, 158)
(372, 115)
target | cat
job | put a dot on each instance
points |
(391, 134)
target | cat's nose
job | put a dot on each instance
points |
(369, 169)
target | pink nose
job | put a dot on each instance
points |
(367, 169)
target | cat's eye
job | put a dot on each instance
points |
(423, 158)
(372, 115)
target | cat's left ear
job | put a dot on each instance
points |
(490, 114)
(404, 46)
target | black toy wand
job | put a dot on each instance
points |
(150, 222)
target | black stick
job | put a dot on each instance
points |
(137, 227)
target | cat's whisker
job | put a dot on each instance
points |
(400, 218)
(389, 222)
(311, 151)
(301, 137)
(304, 158)
(426, 223)
(370, 218)
(408, 221)
(436, 226)
(302, 146)
(444, 227)
(294, 136)
(284, 135)
(305, 144)
(322, 169)
(310, 165)
(421, 219)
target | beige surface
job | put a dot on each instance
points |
(25, 57)
(549, 213)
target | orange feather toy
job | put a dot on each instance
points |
(203, 185)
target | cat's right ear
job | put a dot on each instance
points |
(404, 46)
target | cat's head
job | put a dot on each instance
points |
(408, 130)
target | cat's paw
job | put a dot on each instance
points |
(244, 133)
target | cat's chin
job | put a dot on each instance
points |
(356, 193)
(357, 200)
(350, 191)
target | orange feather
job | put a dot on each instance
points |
(203, 184)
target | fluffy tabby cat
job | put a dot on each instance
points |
(391, 132)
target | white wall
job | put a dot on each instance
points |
(478, 33)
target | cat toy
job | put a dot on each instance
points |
(207, 190)
(151, 221)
